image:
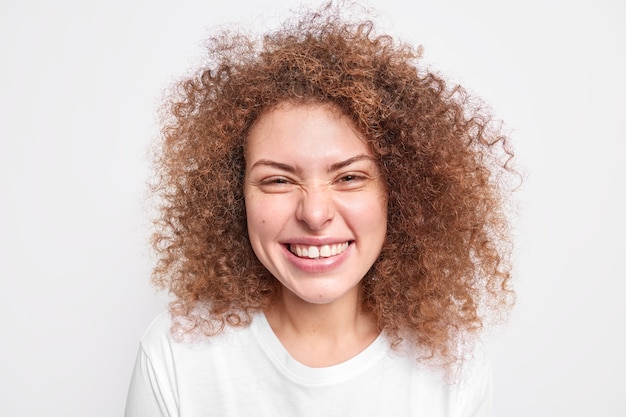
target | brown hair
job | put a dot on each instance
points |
(444, 266)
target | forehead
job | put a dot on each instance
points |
(310, 129)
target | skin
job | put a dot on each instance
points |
(312, 187)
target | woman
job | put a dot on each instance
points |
(332, 231)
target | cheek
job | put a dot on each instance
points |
(257, 233)
(255, 219)
(373, 221)
(367, 210)
(262, 215)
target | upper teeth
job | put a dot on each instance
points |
(315, 252)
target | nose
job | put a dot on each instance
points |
(316, 208)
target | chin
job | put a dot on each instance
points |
(322, 296)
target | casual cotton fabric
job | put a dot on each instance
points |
(247, 372)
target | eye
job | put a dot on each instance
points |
(275, 180)
(276, 184)
(352, 178)
(348, 178)
(351, 181)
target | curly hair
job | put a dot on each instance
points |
(444, 267)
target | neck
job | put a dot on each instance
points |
(321, 334)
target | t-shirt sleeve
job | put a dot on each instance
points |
(153, 388)
(147, 396)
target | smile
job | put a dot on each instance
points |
(316, 252)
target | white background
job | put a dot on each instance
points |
(80, 83)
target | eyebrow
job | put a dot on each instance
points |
(288, 168)
(338, 165)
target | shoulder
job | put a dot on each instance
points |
(464, 387)
(162, 322)
(474, 385)
(157, 338)
(174, 335)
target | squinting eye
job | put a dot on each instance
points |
(351, 181)
(277, 180)
(276, 184)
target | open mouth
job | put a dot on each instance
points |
(316, 252)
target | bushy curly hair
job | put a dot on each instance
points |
(445, 265)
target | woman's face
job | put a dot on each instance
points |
(315, 201)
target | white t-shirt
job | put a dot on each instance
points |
(247, 372)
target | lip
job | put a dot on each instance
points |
(315, 241)
(318, 265)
